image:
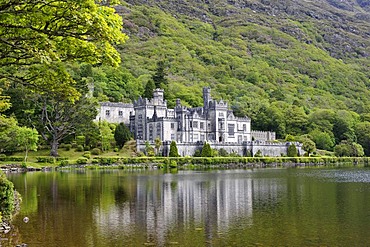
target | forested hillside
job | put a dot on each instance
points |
(297, 67)
(279, 62)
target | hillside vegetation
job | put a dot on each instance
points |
(297, 67)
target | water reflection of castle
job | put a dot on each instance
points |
(209, 201)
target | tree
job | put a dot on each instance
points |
(149, 150)
(343, 128)
(159, 78)
(323, 140)
(39, 36)
(106, 134)
(54, 116)
(292, 151)
(309, 146)
(157, 144)
(8, 132)
(173, 150)
(349, 149)
(149, 89)
(363, 136)
(122, 134)
(27, 138)
(206, 150)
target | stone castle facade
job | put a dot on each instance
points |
(190, 128)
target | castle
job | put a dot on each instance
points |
(190, 128)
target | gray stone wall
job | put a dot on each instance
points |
(115, 112)
(266, 148)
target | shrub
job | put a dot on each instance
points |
(87, 154)
(81, 160)
(68, 147)
(87, 148)
(95, 161)
(45, 159)
(80, 148)
(64, 163)
(6, 197)
(115, 150)
(95, 151)
(2, 157)
(173, 164)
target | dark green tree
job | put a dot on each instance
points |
(292, 151)
(149, 88)
(348, 149)
(159, 78)
(173, 150)
(323, 140)
(122, 134)
(206, 150)
(309, 146)
(363, 136)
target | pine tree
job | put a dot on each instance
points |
(292, 151)
(173, 150)
(206, 150)
(149, 88)
(159, 77)
(122, 134)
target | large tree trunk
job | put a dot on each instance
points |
(54, 148)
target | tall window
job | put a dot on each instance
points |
(201, 125)
(107, 112)
(120, 113)
(231, 128)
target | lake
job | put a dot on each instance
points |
(252, 207)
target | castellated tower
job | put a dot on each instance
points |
(206, 98)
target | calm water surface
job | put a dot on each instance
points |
(261, 207)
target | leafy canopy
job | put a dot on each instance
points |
(39, 36)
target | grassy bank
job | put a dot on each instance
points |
(107, 160)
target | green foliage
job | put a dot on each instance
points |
(63, 31)
(96, 151)
(157, 145)
(80, 140)
(82, 160)
(173, 150)
(222, 152)
(309, 146)
(106, 135)
(363, 136)
(87, 154)
(258, 154)
(149, 88)
(292, 151)
(206, 150)
(348, 149)
(323, 140)
(122, 134)
(149, 150)
(79, 148)
(289, 138)
(6, 197)
(45, 159)
(68, 147)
